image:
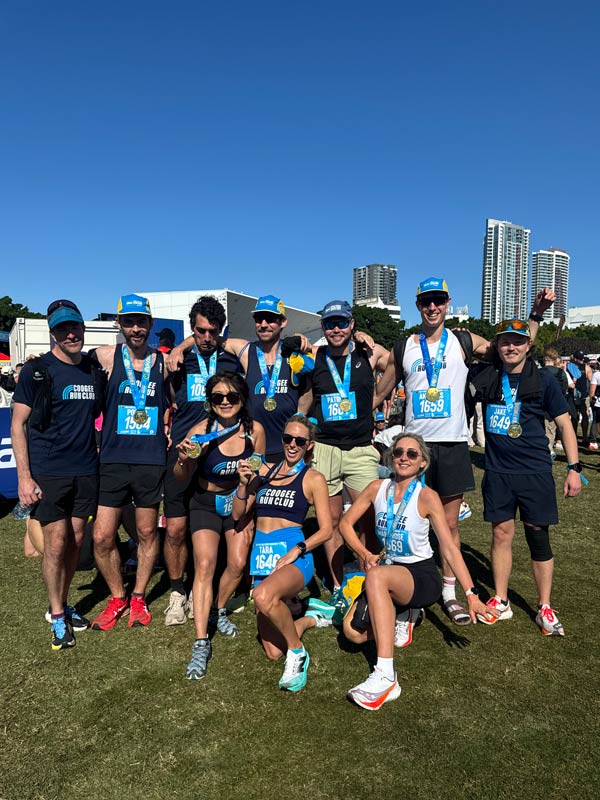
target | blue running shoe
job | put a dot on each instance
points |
(201, 655)
(62, 635)
(321, 612)
(340, 605)
(295, 672)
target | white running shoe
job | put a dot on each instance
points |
(548, 622)
(504, 609)
(295, 672)
(375, 691)
(405, 624)
(189, 606)
(175, 611)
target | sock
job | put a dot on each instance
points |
(298, 651)
(135, 594)
(202, 639)
(177, 585)
(449, 589)
(57, 616)
(386, 666)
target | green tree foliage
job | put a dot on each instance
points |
(378, 324)
(9, 312)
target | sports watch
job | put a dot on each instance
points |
(576, 466)
(302, 547)
(473, 590)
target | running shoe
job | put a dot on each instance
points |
(558, 446)
(321, 612)
(175, 611)
(465, 511)
(139, 616)
(189, 606)
(238, 602)
(218, 619)
(295, 672)
(73, 617)
(406, 622)
(338, 601)
(548, 622)
(375, 691)
(62, 634)
(201, 655)
(593, 445)
(113, 612)
(504, 609)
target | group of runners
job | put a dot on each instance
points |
(240, 439)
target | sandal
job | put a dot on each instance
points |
(456, 612)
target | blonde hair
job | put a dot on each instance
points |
(388, 457)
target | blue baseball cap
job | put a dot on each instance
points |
(379, 416)
(337, 308)
(63, 311)
(432, 285)
(133, 304)
(270, 304)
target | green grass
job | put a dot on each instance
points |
(484, 712)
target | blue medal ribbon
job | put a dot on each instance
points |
(433, 370)
(138, 395)
(274, 471)
(391, 519)
(201, 438)
(343, 389)
(206, 373)
(270, 383)
(513, 408)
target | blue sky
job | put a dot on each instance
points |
(270, 147)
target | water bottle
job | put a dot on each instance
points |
(21, 511)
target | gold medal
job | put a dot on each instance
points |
(194, 450)
(432, 394)
(345, 405)
(254, 462)
(140, 417)
(270, 403)
(514, 430)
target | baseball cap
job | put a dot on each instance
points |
(166, 333)
(337, 308)
(63, 311)
(270, 303)
(133, 304)
(379, 416)
(513, 326)
(579, 355)
(432, 285)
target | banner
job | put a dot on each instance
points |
(8, 469)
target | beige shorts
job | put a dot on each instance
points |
(354, 468)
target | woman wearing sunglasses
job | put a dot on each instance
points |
(281, 561)
(214, 448)
(403, 578)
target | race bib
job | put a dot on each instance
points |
(431, 409)
(224, 504)
(330, 407)
(497, 420)
(126, 425)
(196, 388)
(265, 556)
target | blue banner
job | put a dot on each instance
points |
(8, 469)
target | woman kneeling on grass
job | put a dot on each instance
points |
(280, 560)
(227, 435)
(404, 576)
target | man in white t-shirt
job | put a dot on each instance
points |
(595, 407)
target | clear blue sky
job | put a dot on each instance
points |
(270, 147)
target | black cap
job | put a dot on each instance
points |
(167, 334)
(579, 355)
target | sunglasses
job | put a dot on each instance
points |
(436, 299)
(218, 398)
(203, 331)
(270, 319)
(411, 453)
(287, 438)
(513, 326)
(341, 323)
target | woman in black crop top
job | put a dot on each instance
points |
(280, 560)
(227, 435)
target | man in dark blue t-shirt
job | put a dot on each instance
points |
(56, 457)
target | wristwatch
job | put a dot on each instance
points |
(473, 590)
(576, 466)
(302, 547)
(536, 317)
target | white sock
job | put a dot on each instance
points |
(449, 589)
(386, 666)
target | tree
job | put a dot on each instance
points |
(378, 324)
(9, 312)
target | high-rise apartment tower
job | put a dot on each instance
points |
(375, 285)
(505, 271)
(551, 268)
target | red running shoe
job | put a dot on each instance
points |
(113, 612)
(139, 612)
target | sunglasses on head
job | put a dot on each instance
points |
(436, 299)
(287, 438)
(218, 398)
(411, 453)
(513, 326)
(336, 322)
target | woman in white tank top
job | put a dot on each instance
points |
(404, 574)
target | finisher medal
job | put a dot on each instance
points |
(345, 405)
(193, 451)
(514, 430)
(270, 404)
(140, 417)
(254, 462)
(432, 394)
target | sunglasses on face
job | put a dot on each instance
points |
(436, 299)
(287, 438)
(270, 319)
(341, 324)
(411, 453)
(218, 398)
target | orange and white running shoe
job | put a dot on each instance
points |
(113, 612)
(504, 609)
(548, 622)
(375, 691)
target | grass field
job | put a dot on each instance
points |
(484, 712)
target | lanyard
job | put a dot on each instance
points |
(138, 395)
(270, 384)
(201, 438)
(433, 371)
(274, 471)
(206, 373)
(391, 519)
(342, 388)
(512, 407)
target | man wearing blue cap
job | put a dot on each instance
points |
(434, 367)
(132, 458)
(53, 440)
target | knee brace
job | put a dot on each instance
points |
(538, 541)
